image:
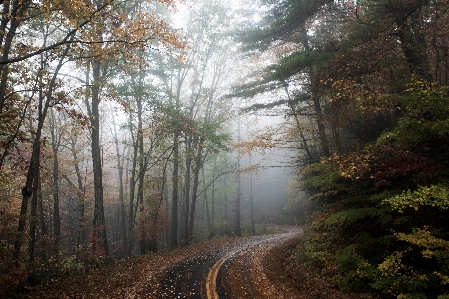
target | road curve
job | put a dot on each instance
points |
(232, 270)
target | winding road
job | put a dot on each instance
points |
(233, 270)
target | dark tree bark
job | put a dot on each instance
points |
(196, 175)
(40, 202)
(300, 130)
(187, 182)
(413, 42)
(206, 201)
(142, 163)
(315, 97)
(12, 17)
(81, 233)
(57, 220)
(132, 188)
(33, 212)
(175, 192)
(212, 227)
(99, 224)
(27, 190)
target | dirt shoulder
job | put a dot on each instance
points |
(291, 278)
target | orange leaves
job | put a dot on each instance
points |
(255, 144)
(249, 169)
(109, 29)
(354, 165)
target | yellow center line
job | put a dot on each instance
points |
(211, 282)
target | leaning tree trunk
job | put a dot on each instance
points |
(11, 20)
(27, 190)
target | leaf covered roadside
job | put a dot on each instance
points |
(291, 278)
(131, 278)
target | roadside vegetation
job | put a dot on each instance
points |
(365, 87)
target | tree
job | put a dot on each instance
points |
(121, 196)
(300, 59)
(367, 195)
(32, 174)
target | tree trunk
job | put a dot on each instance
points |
(315, 98)
(142, 243)
(57, 219)
(238, 231)
(132, 190)
(27, 190)
(299, 127)
(99, 224)
(13, 17)
(206, 202)
(81, 193)
(33, 214)
(40, 203)
(196, 175)
(226, 210)
(413, 42)
(175, 192)
(253, 228)
(121, 200)
(187, 188)
(212, 227)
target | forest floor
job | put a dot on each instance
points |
(133, 278)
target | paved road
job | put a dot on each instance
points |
(231, 271)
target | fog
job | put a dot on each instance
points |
(270, 169)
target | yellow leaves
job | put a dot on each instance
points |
(392, 265)
(435, 196)
(352, 166)
(444, 280)
(433, 247)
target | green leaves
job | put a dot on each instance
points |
(350, 216)
(435, 196)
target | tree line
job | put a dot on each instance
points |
(364, 86)
(114, 132)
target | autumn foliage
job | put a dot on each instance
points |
(365, 85)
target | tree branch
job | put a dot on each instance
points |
(55, 45)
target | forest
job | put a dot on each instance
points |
(130, 127)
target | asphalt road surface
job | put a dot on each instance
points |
(233, 270)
